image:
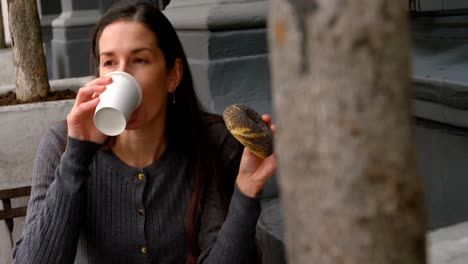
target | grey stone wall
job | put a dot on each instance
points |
(440, 92)
(231, 68)
(443, 156)
(441, 128)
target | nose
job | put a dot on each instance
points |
(124, 67)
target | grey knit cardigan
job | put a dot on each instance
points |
(87, 206)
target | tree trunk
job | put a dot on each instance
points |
(28, 52)
(2, 30)
(349, 183)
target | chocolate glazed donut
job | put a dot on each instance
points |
(248, 128)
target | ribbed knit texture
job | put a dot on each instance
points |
(87, 206)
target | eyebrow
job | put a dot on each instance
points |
(110, 53)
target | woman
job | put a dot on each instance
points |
(174, 187)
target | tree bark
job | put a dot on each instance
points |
(2, 30)
(349, 184)
(28, 52)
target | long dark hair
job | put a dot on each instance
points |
(186, 121)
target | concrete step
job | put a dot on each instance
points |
(448, 245)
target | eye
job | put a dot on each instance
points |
(139, 60)
(107, 63)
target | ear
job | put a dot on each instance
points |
(175, 75)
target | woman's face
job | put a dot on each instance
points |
(131, 47)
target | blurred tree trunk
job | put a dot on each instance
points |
(2, 30)
(349, 183)
(28, 52)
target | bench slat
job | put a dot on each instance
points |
(12, 213)
(16, 192)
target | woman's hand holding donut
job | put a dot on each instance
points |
(254, 172)
(80, 119)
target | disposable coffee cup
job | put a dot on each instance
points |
(117, 103)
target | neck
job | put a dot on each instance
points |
(140, 148)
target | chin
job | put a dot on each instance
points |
(132, 124)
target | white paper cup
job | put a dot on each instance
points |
(117, 104)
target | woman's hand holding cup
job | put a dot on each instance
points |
(80, 119)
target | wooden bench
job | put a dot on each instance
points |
(8, 213)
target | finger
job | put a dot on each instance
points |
(271, 163)
(86, 93)
(86, 107)
(100, 81)
(273, 129)
(266, 119)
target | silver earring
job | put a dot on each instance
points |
(173, 97)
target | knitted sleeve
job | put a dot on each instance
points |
(51, 230)
(231, 238)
